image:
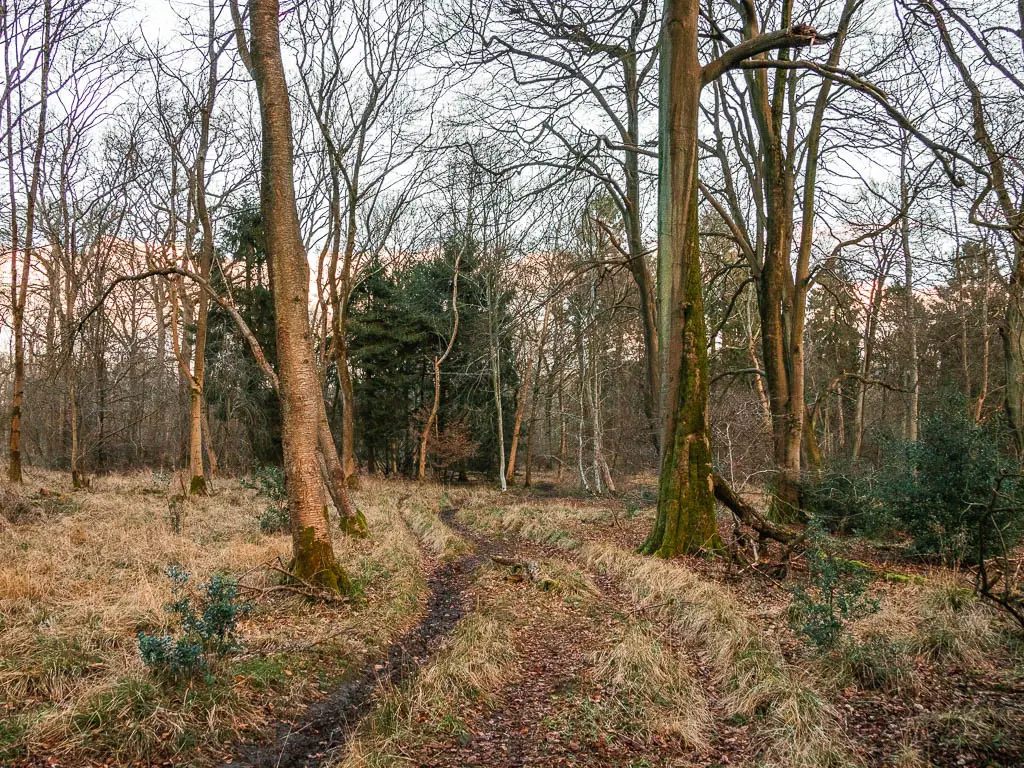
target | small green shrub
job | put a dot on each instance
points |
(941, 487)
(268, 481)
(274, 519)
(843, 499)
(956, 491)
(836, 594)
(207, 621)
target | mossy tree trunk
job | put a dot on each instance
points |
(353, 522)
(686, 508)
(301, 396)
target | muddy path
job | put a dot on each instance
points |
(541, 718)
(730, 739)
(327, 724)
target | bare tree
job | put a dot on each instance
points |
(983, 47)
(355, 60)
(301, 395)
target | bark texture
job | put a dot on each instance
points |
(685, 521)
(301, 397)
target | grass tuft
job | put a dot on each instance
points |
(874, 663)
(954, 627)
(803, 729)
(650, 690)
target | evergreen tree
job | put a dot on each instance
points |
(236, 386)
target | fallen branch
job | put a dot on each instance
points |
(519, 566)
(750, 516)
(293, 585)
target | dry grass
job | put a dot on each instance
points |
(572, 583)
(803, 728)
(522, 520)
(954, 627)
(973, 727)
(76, 587)
(940, 621)
(473, 663)
(875, 662)
(435, 536)
(650, 689)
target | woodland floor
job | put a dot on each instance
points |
(492, 630)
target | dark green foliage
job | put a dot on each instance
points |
(844, 499)
(236, 388)
(835, 594)
(268, 481)
(207, 623)
(275, 519)
(953, 491)
(940, 488)
(399, 320)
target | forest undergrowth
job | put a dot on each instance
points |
(554, 644)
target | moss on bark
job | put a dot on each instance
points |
(314, 563)
(784, 504)
(198, 486)
(685, 523)
(355, 525)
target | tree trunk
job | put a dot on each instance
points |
(811, 448)
(352, 521)
(438, 362)
(301, 396)
(965, 362)
(536, 392)
(197, 485)
(870, 326)
(912, 378)
(783, 369)
(685, 520)
(19, 283)
(348, 415)
(211, 454)
(78, 479)
(495, 359)
(985, 344)
(524, 395)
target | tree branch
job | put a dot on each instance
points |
(228, 307)
(750, 516)
(797, 36)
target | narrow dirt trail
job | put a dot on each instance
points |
(327, 724)
(545, 716)
(729, 738)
